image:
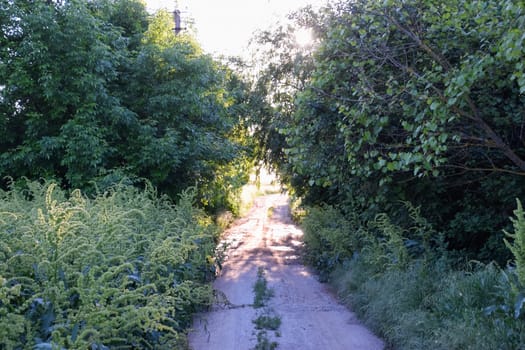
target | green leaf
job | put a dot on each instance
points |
(391, 166)
(520, 300)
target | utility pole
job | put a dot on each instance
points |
(177, 20)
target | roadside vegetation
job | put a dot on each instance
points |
(122, 269)
(398, 129)
(122, 144)
(413, 292)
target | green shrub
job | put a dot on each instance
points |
(328, 238)
(429, 305)
(405, 285)
(123, 270)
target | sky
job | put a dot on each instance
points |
(226, 26)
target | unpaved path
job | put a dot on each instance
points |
(311, 317)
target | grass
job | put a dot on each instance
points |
(267, 319)
(261, 290)
(429, 301)
(428, 307)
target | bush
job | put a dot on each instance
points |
(123, 270)
(327, 239)
(429, 305)
(423, 299)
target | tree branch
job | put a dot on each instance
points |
(475, 115)
(494, 169)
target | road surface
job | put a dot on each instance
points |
(311, 318)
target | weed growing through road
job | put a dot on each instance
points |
(267, 319)
(260, 288)
(263, 343)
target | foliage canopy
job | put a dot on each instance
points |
(91, 92)
(403, 100)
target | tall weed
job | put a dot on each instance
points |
(517, 247)
(328, 239)
(123, 270)
(403, 283)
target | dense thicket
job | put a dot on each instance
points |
(415, 296)
(93, 92)
(125, 269)
(417, 101)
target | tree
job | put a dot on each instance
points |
(60, 60)
(281, 69)
(99, 91)
(414, 101)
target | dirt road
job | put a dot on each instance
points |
(310, 316)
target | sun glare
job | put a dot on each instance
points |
(304, 37)
(226, 26)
